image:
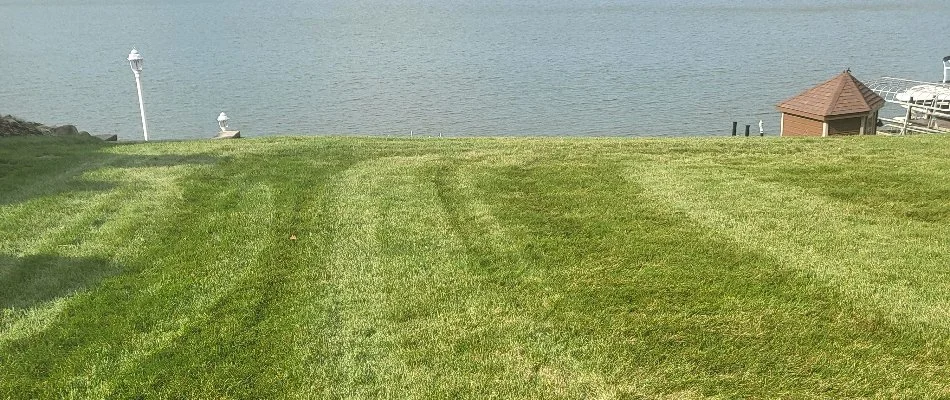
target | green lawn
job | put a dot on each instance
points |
(476, 268)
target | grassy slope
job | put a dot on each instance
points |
(576, 268)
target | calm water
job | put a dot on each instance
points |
(460, 68)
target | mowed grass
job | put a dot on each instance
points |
(477, 268)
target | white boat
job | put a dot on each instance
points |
(930, 101)
(936, 96)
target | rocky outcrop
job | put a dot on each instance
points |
(13, 126)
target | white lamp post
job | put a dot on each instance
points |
(135, 62)
(223, 121)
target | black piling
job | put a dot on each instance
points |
(747, 130)
(735, 127)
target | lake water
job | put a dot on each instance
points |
(459, 68)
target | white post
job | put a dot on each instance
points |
(932, 117)
(135, 62)
(138, 85)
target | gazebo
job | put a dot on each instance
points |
(840, 106)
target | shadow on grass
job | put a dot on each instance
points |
(35, 167)
(26, 282)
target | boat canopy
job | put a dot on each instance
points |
(899, 90)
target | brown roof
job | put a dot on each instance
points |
(841, 95)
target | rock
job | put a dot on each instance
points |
(228, 135)
(13, 126)
(64, 130)
(108, 137)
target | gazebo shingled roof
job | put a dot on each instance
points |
(839, 96)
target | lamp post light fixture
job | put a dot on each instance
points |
(223, 121)
(225, 132)
(135, 62)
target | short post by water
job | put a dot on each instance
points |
(223, 121)
(735, 127)
(224, 125)
(747, 127)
